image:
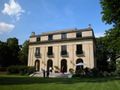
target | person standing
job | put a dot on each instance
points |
(43, 72)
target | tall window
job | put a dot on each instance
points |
(63, 36)
(64, 50)
(79, 49)
(50, 50)
(50, 37)
(38, 39)
(78, 34)
(37, 52)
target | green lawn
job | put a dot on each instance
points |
(12, 82)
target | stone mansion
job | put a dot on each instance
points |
(62, 50)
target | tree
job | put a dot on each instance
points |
(4, 55)
(14, 49)
(23, 53)
(101, 54)
(111, 12)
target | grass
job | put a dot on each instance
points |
(15, 82)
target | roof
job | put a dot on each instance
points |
(64, 31)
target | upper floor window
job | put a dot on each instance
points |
(50, 37)
(78, 34)
(63, 36)
(37, 52)
(79, 49)
(50, 50)
(38, 39)
(37, 49)
(63, 50)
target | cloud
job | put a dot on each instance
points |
(5, 27)
(99, 34)
(13, 9)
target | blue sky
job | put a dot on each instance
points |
(18, 18)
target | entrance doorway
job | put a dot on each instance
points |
(37, 65)
(63, 65)
(79, 67)
(49, 64)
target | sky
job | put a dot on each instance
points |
(18, 18)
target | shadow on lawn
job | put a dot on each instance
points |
(36, 80)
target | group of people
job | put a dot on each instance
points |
(46, 73)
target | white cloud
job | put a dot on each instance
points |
(6, 27)
(13, 9)
(99, 34)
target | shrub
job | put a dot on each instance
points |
(3, 69)
(71, 70)
(20, 70)
(30, 70)
(57, 70)
(95, 72)
(13, 70)
(87, 71)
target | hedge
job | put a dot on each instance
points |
(20, 70)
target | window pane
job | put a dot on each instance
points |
(38, 38)
(78, 34)
(49, 49)
(63, 36)
(37, 50)
(79, 47)
(50, 37)
(64, 48)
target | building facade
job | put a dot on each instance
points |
(62, 50)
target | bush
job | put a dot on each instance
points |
(95, 72)
(87, 71)
(3, 69)
(71, 70)
(30, 70)
(13, 70)
(20, 70)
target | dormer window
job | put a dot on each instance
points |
(38, 39)
(63, 36)
(78, 34)
(50, 37)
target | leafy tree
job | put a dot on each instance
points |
(111, 15)
(113, 40)
(14, 49)
(23, 54)
(4, 55)
(111, 11)
(101, 54)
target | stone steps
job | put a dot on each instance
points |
(51, 75)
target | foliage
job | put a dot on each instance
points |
(101, 54)
(11, 53)
(118, 67)
(30, 70)
(5, 55)
(3, 69)
(23, 53)
(71, 70)
(20, 70)
(57, 69)
(111, 11)
(12, 43)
